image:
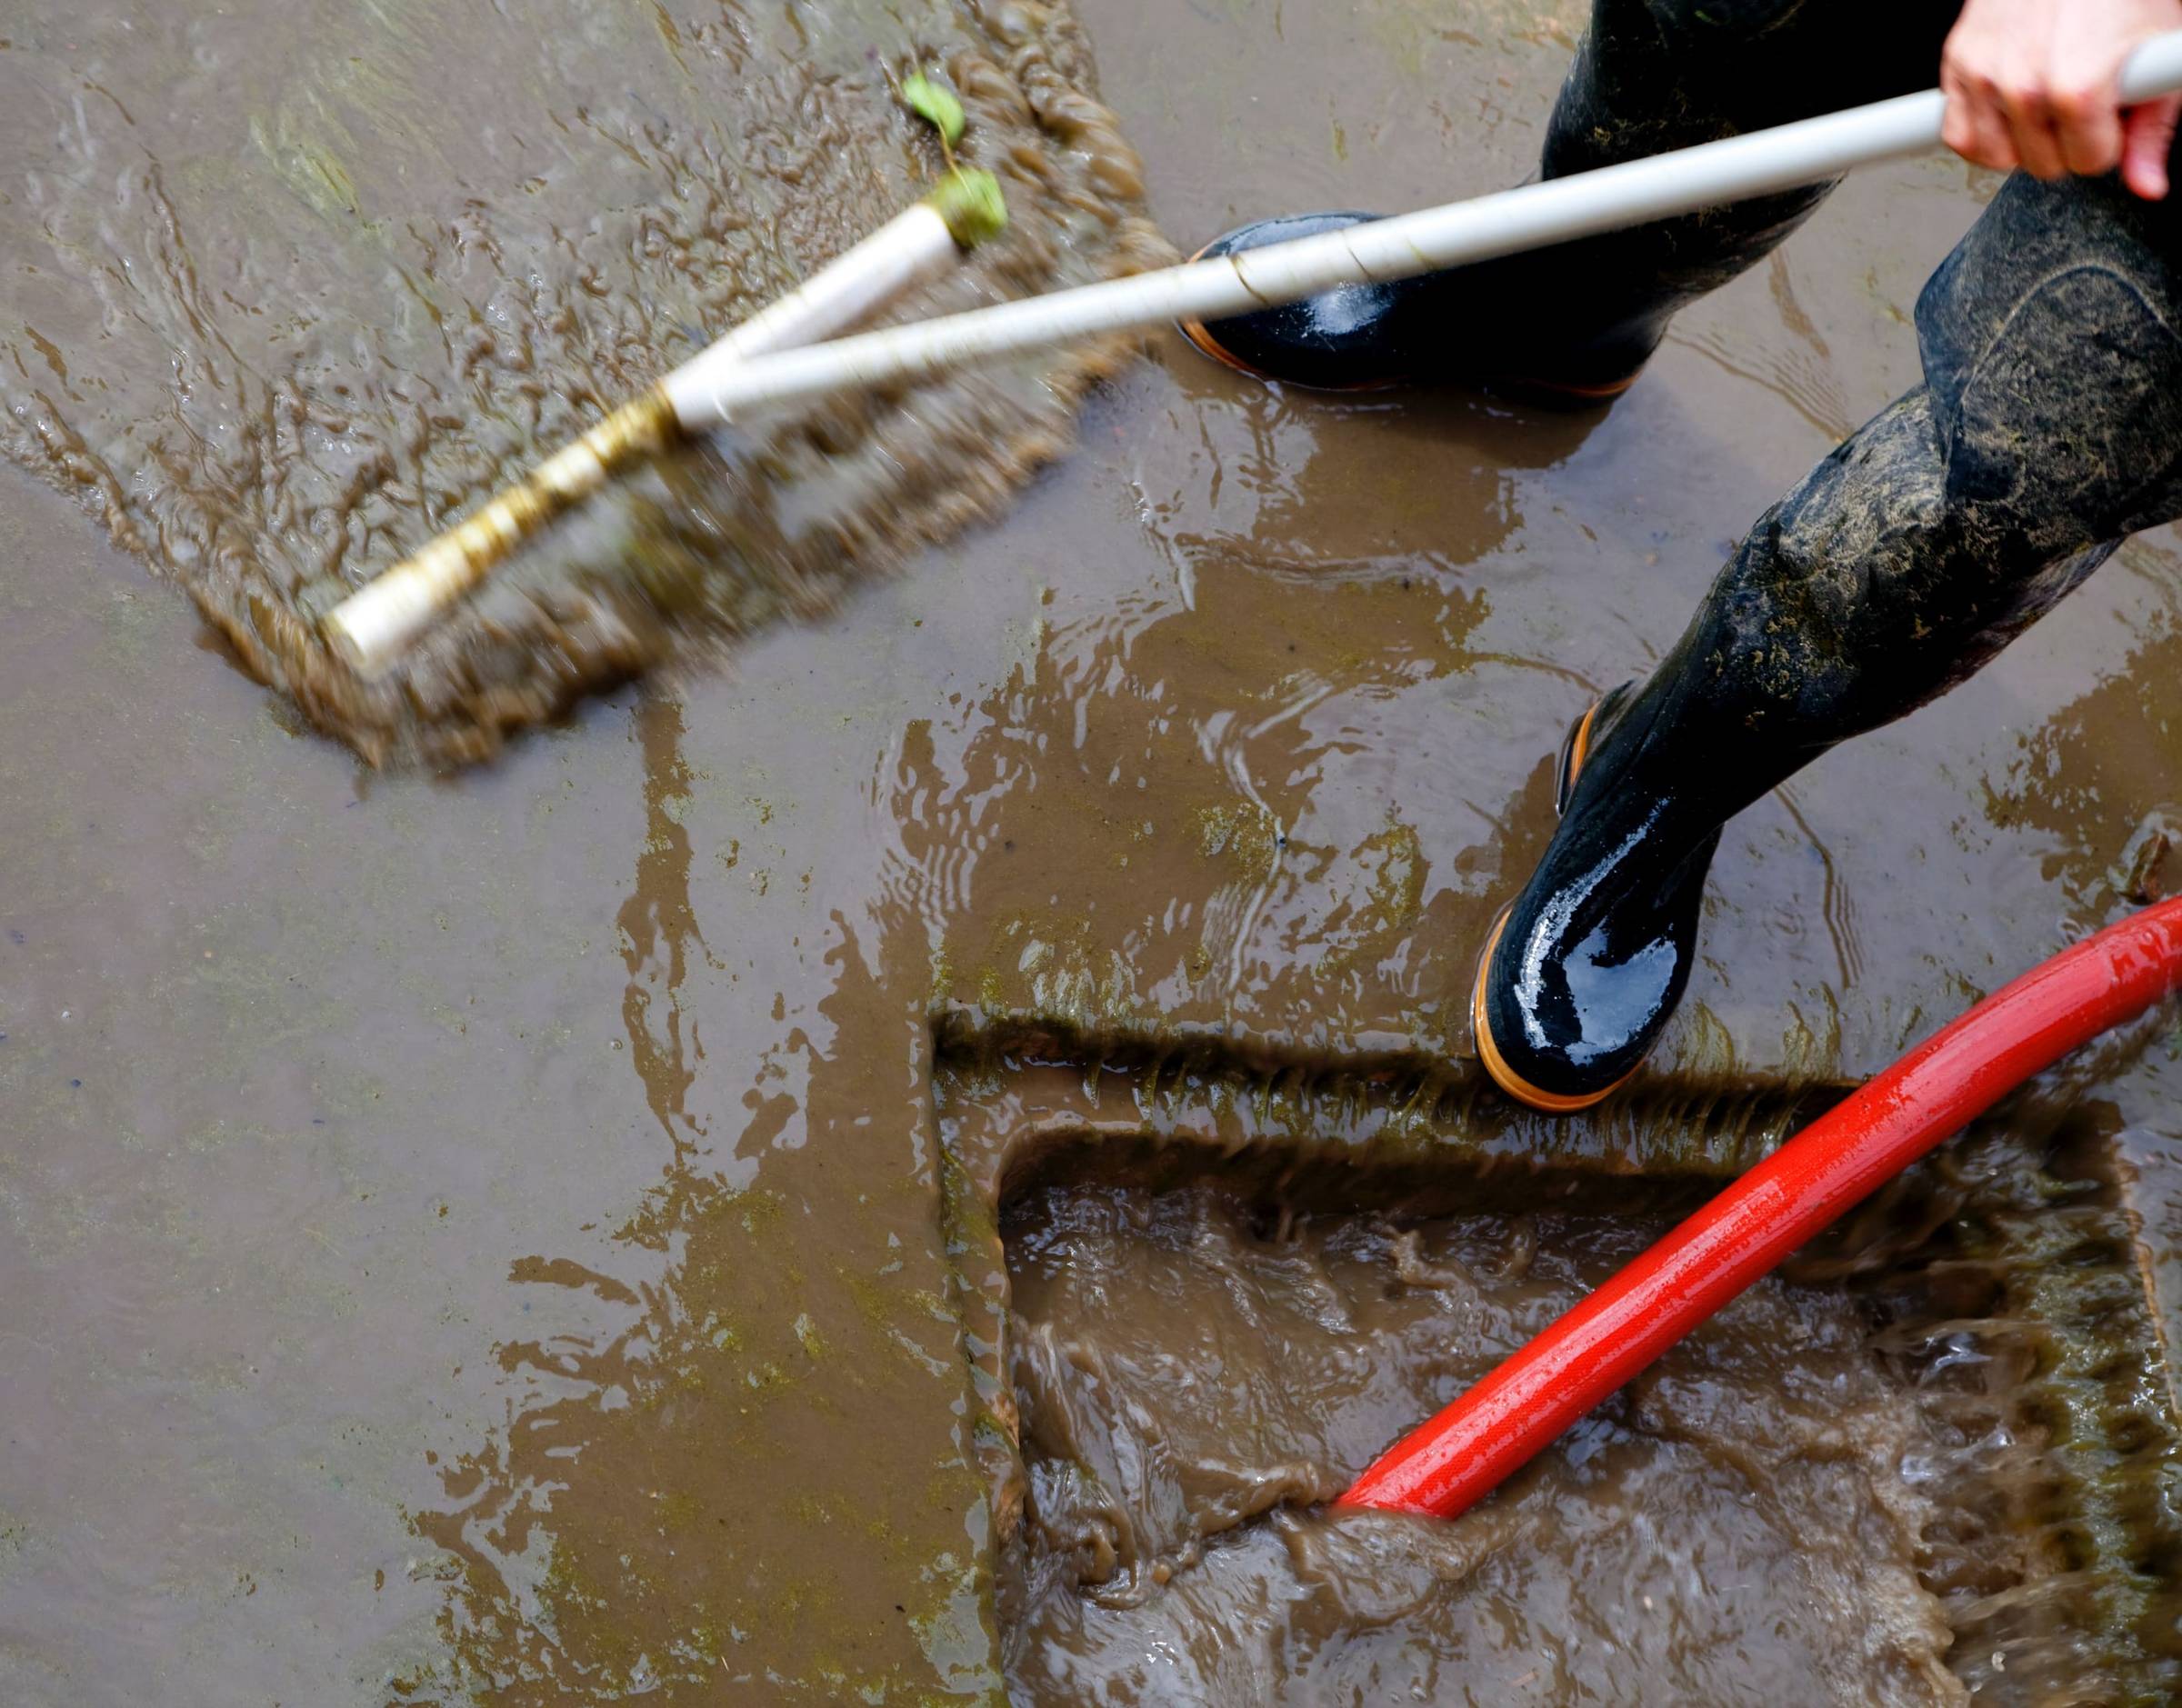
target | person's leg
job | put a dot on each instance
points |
(1580, 319)
(2048, 428)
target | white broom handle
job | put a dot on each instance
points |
(1556, 210)
(911, 249)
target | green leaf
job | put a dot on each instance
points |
(936, 104)
(972, 204)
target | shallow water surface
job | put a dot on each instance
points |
(295, 286)
(502, 1237)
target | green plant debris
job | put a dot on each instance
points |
(937, 105)
(972, 204)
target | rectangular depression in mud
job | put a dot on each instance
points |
(1924, 1465)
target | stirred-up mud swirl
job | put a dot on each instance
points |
(290, 287)
(1923, 1464)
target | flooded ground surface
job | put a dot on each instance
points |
(483, 1238)
(1650, 1561)
(297, 285)
(1922, 1466)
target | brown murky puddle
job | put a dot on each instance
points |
(599, 1227)
(1878, 1479)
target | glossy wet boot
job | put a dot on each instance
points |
(1578, 322)
(2049, 429)
(1356, 337)
(1480, 326)
(1584, 969)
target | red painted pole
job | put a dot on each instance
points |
(1930, 1096)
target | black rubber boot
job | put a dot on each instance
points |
(1578, 322)
(1584, 969)
(1354, 338)
(2050, 428)
(1362, 337)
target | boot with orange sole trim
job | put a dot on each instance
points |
(1903, 563)
(1366, 338)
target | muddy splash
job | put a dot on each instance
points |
(1923, 1466)
(295, 286)
(1654, 1558)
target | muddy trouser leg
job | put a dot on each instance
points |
(2049, 429)
(1658, 74)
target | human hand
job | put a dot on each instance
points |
(2036, 84)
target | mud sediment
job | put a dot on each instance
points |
(286, 310)
(1921, 1465)
(483, 1241)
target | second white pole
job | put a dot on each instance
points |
(373, 626)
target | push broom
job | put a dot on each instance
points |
(753, 369)
(374, 626)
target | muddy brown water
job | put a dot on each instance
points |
(579, 1230)
(1870, 1480)
(295, 288)
(1752, 1472)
